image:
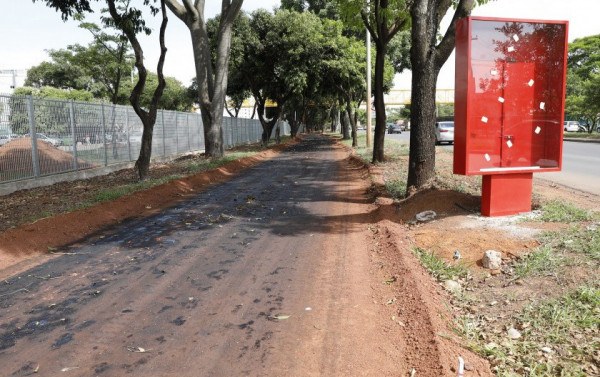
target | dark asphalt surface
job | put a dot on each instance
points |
(201, 289)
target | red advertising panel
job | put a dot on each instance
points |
(509, 97)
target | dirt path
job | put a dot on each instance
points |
(285, 270)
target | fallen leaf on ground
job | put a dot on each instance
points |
(137, 349)
(279, 317)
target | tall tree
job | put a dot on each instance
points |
(212, 81)
(428, 54)
(281, 60)
(383, 20)
(237, 90)
(132, 24)
(130, 21)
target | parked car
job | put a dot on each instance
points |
(47, 139)
(4, 139)
(444, 132)
(394, 128)
(572, 126)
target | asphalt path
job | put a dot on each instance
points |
(264, 275)
(580, 170)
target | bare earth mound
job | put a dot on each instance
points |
(16, 159)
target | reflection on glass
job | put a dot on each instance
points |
(514, 112)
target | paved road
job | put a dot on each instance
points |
(581, 165)
(265, 275)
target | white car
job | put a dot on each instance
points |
(572, 126)
(444, 132)
(47, 139)
(5, 139)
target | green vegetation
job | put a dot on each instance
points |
(193, 167)
(559, 337)
(438, 267)
(584, 241)
(396, 187)
(395, 174)
(563, 212)
(119, 191)
(583, 81)
(544, 259)
(559, 249)
(582, 135)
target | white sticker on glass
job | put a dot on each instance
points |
(487, 157)
(530, 83)
(510, 49)
(543, 105)
(484, 119)
(516, 38)
(509, 143)
(538, 129)
(501, 99)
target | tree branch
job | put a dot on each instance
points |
(365, 18)
(445, 47)
(177, 9)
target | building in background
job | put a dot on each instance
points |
(11, 79)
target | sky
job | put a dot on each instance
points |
(28, 29)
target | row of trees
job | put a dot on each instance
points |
(303, 63)
(308, 58)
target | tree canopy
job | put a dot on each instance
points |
(583, 81)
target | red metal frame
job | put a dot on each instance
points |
(509, 104)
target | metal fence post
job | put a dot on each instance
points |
(72, 123)
(34, 151)
(104, 136)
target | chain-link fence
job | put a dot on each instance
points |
(41, 137)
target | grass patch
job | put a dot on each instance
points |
(117, 192)
(582, 241)
(208, 164)
(394, 176)
(543, 260)
(561, 212)
(582, 135)
(569, 325)
(559, 337)
(193, 167)
(439, 268)
(396, 187)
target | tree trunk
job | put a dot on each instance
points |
(421, 172)
(148, 117)
(345, 125)
(142, 164)
(335, 118)
(378, 142)
(212, 85)
(352, 117)
(422, 131)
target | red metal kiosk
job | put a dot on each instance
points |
(509, 106)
